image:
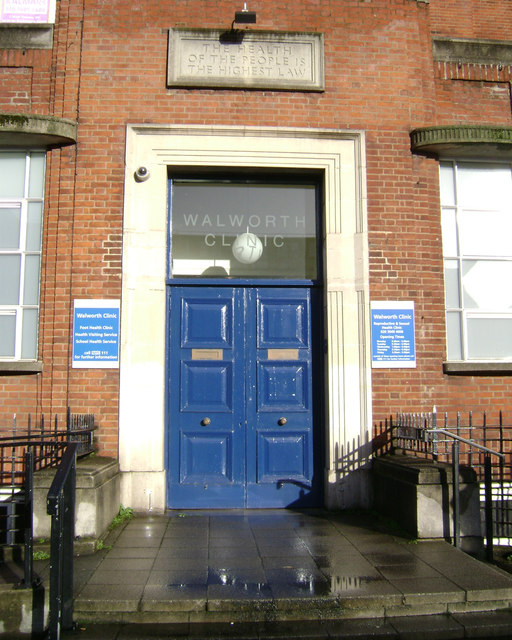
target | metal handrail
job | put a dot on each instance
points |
(472, 443)
(489, 546)
(60, 505)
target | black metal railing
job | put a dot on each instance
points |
(483, 445)
(24, 451)
(60, 505)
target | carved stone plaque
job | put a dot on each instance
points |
(245, 59)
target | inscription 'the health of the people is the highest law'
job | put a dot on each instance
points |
(258, 60)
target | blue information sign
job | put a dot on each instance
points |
(96, 334)
(393, 342)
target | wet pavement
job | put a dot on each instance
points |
(273, 574)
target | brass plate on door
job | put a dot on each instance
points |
(283, 354)
(207, 354)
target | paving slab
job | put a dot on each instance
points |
(273, 574)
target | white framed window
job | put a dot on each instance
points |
(21, 218)
(476, 214)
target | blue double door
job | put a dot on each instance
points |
(242, 413)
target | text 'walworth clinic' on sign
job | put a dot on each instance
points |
(96, 334)
(393, 342)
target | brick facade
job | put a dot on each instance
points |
(107, 69)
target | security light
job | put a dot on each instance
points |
(245, 16)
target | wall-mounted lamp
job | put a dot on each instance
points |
(245, 16)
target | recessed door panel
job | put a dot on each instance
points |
(206, 458)
(206, 386)
(241, 427)
(283, 386)
(283, 322)
(207, 323)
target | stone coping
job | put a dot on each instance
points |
(420, 470)
(91, 472)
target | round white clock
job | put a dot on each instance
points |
(247, 248)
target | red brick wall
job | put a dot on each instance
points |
(108, 69)
(483, 19)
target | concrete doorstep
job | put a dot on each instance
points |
(273, 574)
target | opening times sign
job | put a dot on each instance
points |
(393, 341)
(96, 334)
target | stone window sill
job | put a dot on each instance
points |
(17, 368)
(477, 368)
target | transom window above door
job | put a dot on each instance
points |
(244, 229)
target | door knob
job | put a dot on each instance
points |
(205, 422)
(282, 421)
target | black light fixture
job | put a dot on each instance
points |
(245, 16)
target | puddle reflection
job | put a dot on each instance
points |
(295, 580)
(342, 584)
(232, 578)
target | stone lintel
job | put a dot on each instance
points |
(472, 51)
(26, 36)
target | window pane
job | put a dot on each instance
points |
(451, 283)
(489, 337)
(245, 230)
(31, 288)
(10, 227)
(447, 183)
(36, 177)
(29, 335)
(34, 220)
(484, 186)
(7, 335)
(486, 284)
(486, 233)
(454, 336)
(10, 280)
(449, 225)
(12, 170)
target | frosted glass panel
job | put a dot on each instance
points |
(31, 288)
(36, 177)
(447, 183)
(486, 233)
(12, 170)
(34, 224)
(10, 227)
(449, 225)
(29, 333)
(489, 338)
(7, 335)
(224, 229)
(451, 283)
(454, 336)
(483, 186)
(10, 280)
(487, 284)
